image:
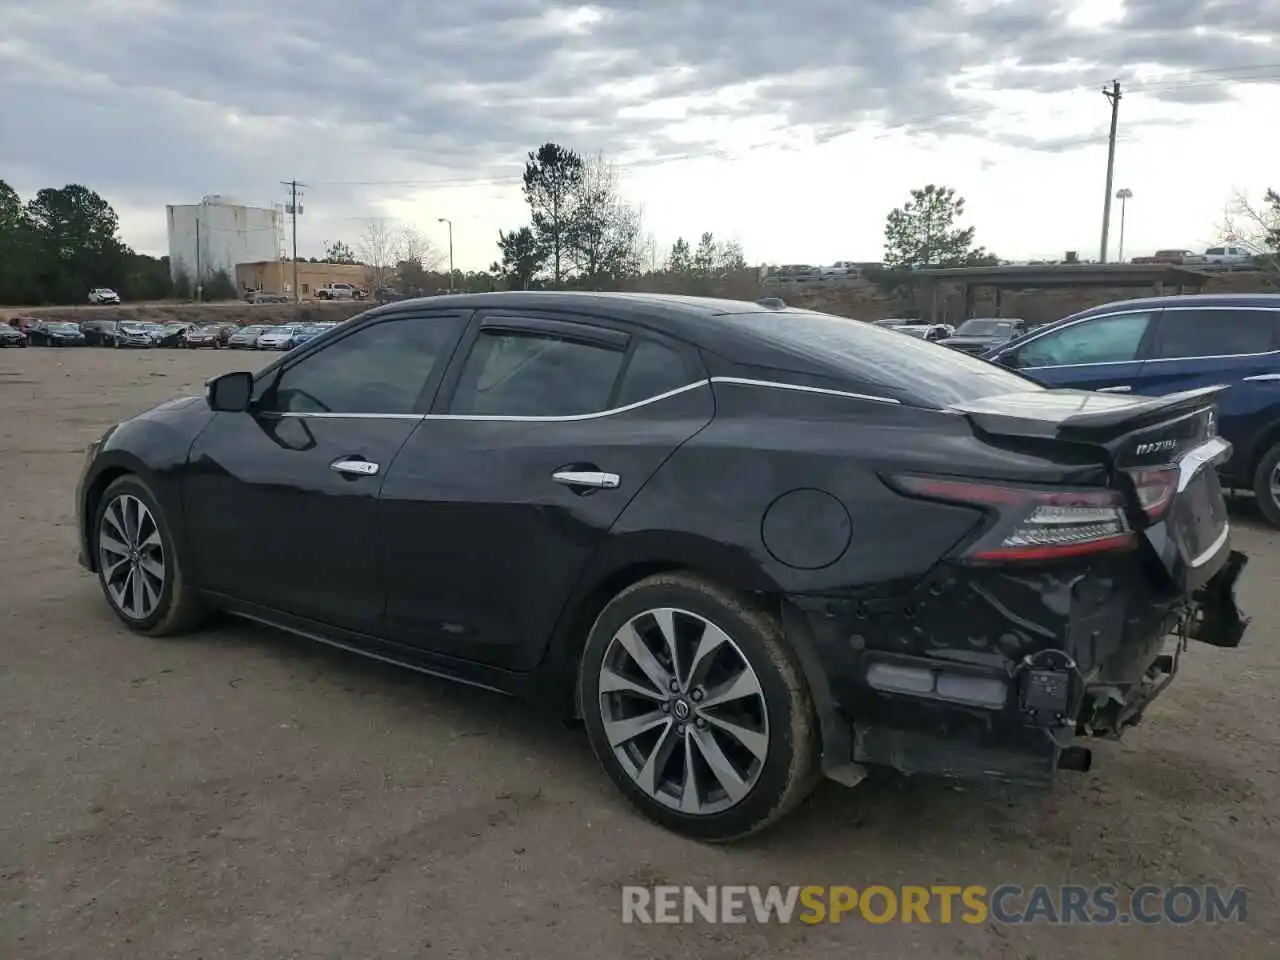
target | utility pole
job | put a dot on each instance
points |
(199, 209)
(293, 209)
(450, 223)
(1114, 96)
(1124, 194)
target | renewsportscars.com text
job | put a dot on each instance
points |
(939, 903)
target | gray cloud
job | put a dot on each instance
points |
(153, 101)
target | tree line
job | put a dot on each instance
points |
(63, 242)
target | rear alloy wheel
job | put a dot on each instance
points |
(138, 567)
(1266, 485)
(697, 708)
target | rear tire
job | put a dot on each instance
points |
(141, 574)
(740, 717)
(1266, 485)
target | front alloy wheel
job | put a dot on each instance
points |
(141, 572)
(697, 707)
(131, 557)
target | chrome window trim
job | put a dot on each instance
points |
(1121, 313)
(613, 411)
(824, 391)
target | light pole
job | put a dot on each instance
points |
(450, 223)
(1123, 194)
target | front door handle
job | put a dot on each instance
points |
(1123, 388)
(352, 467)
(595, 479)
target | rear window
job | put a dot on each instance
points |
(914, 371)
(985, 328)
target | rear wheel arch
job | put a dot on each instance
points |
(622, 562)
(631, 559)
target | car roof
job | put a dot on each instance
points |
(703, 321)
(1271, 300)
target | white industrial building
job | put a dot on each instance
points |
(217, 233)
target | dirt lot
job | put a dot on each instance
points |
(243, 794)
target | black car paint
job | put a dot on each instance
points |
(55, 334)
(404, 567)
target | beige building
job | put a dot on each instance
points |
(276, 276)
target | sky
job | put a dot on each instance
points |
(792, 128)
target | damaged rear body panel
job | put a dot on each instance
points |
(1063, 614)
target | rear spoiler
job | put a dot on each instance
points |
(1078, 415)
(1145, 412)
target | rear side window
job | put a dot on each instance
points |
(903, 368)
(511, 374)
(1215, 333)
(652, 370)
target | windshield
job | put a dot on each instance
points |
(62, 327)
(252, 330)
(917, 332)
(985, 328)
(921, 374)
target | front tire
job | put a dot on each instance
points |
(139, 569)
(1266, 485)
(697, 708)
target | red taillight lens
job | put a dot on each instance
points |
(1155, 489)
(1035, 524)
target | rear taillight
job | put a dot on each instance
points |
(1034, 523)
(1155, 488)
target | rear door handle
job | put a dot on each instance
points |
(353, 467)
(596, 479)
(1123, 388)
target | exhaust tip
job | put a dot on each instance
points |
(1079, 759)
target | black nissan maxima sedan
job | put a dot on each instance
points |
(746, 545)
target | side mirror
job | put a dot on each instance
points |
(1009, 360)
(230, 393)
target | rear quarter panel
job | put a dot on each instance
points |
(788, 484)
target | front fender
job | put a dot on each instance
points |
(153, 446)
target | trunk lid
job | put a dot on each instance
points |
(1136, 436)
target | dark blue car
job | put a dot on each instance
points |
(1161, 345)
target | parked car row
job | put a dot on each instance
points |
(137, 334)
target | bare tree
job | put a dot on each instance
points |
(413, 246)
(378, 247)
(605, 235)
(1253, 226)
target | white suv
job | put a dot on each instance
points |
(103, 295)
(1228, 256)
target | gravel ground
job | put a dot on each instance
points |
(244, 794)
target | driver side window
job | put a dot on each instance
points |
(382, 368)
(1113, 339)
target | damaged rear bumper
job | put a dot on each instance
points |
(992, 675)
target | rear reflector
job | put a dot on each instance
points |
(1155, 488)
(1035, 523)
